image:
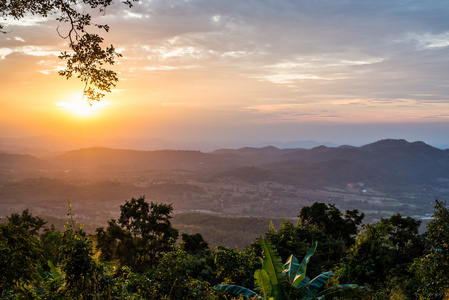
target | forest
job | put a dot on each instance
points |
(325, 254)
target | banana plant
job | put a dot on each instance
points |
(276, 281)
(52, 283)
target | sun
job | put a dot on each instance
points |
(80, 107)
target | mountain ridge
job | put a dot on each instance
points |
(414, 160)
(379, 178)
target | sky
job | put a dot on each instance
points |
(242, 73)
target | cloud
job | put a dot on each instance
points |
(372, 49)
(4, 52)
(28, 21)
(266, 60)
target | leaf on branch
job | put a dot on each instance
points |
(87, 58)
(86, 63)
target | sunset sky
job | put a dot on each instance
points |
(242, 73)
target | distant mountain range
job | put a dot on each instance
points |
(47, 146)
(380, 179)
(384, 164)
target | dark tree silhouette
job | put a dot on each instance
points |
(139, 236)
(87, 57)
(333, 223)
(27, 221)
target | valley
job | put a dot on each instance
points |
(269, 184)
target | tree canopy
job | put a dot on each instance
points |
(140, 235)
(87, 57)
(26, 220)
(433, 267)
(136, 257)
(330, 219)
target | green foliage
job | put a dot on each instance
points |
(327, 225)
(194, 244)
(272, 263)
(380, 257)
(129, 285)
(406, 245)
(233, 232)
(432, 269)
(20, 253)
(196, 280)
(296, 240)
(52, 240)
(234, 267)
(139, 237)
(262, 283)
(237, 290)
(147, 220)
(78, 276)
(297, 272)
(26, 220)
(51, 283)
(404, 236)
(368, 260)
(331, 221)
(272, 279)
(77, 263)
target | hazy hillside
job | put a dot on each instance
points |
(118, 157)
(379, 179)
(21, 160)
(417, 161)
(48, 145)
(257, 155)
(381, 164)
(314, 175)
(159, 159)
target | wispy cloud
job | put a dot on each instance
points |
(264, 61)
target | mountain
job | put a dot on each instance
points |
(13, 164)
(21, 161)
(255, 155)
(381, 162)
(387, 175)
(99, 156)
(315, 175)
(375, 152)
(159, 159)
(298, 144)
(47, 145)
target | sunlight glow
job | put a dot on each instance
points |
(80, 107)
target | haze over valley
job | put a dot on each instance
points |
(267, 184)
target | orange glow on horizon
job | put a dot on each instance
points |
(78, 106)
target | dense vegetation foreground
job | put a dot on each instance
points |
(137, 257)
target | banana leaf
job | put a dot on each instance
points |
(272, 263)
(279, 293)
(56, 274)
(316, 283)
(301, 272)
(262, 282)
(291, 267)
(343, 290)
(236, 290)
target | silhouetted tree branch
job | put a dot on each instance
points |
(87, 57)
